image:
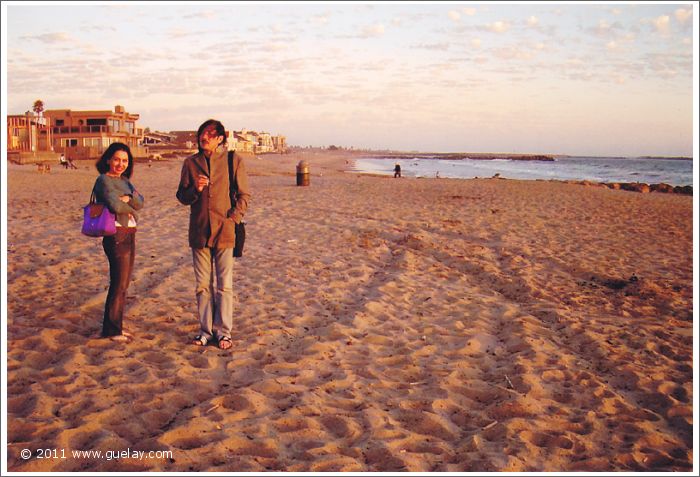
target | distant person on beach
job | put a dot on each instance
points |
(114, 189)
(70, 163)
(62, 161)
(214, 211)
(397, 170)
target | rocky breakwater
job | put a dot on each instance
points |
(640, 187)
(511, 157)
(458, 156)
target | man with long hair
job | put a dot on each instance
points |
(216, 206)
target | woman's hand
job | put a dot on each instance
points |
(125, 198)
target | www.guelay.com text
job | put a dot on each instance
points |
(95, 454)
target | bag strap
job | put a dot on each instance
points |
(232, 185)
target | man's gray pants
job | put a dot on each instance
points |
(214, 306)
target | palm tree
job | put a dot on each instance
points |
(38, 107)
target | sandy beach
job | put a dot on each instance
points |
(382, 325)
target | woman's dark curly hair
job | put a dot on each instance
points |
(103, 162)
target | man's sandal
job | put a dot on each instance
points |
(200, 340)
(225, 342)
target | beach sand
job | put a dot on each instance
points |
(381, 325)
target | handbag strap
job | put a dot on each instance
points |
(232, 185)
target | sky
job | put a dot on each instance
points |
(611, 79)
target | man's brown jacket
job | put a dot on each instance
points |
(212, 218)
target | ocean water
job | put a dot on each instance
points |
(677, 172)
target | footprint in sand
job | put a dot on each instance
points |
(547, 440)
(22, 406)
(339, 426)
(20, 431)
(380, 459)
(290, 424)
(236, 403)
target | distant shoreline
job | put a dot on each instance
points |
(504, 156)
(464, 155)
(660, 158)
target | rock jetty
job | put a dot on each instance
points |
(640, 187)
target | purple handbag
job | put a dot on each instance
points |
(98, 220)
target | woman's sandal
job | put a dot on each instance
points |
(225, 342)
(200, 340)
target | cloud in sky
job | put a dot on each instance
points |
(350, 73)
(50, 38)
(662, 24)
(434, 46)
(683, 15)
(204, 14)
(603, 29)
(321, 19)
(498, 26)
(372, 31)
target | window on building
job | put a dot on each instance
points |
(92, 142)
(129, 127)
(114, 125)
(68, 142)
(59, 122)
(97, 122)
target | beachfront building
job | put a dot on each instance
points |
(264, 143)
(28, 132)
(86, 134)
(241, 141)
(255, 142)
(279, 144)
(185, 139)
(29, 138)
(158, 138)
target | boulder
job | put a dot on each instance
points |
(685, 190)
(665, 188)
(635, 187)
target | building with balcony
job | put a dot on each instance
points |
(86, 134)
(241, 141)
(29, 138)
(279, 144)
(264, 143)
(256, 142)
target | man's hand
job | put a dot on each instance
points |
(202, 182)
